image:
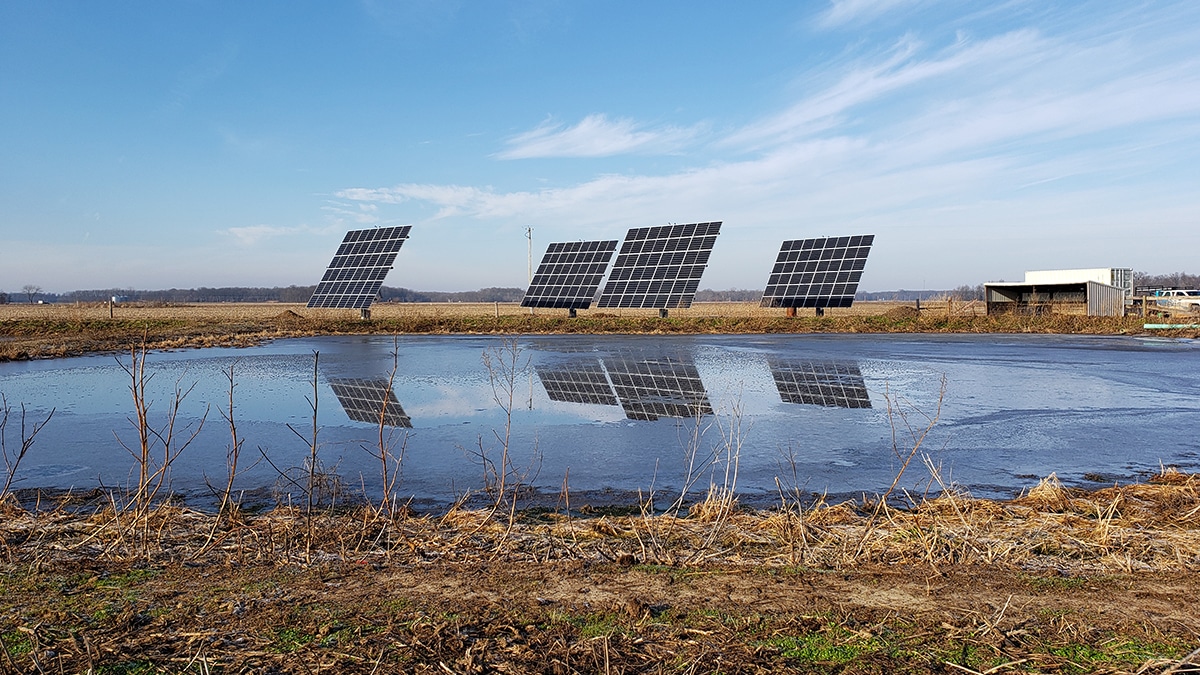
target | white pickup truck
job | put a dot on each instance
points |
(1180, 300)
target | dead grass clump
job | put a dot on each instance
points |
(902, 312)
(1172, 476)
(1050, 495)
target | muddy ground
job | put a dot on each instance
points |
(566, 617)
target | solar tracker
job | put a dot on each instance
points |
(569, 274)
(825, 383)
(580, 381)
(649, 388)
(356, 274)
(369, 401)
(819, 273)
(660, 267)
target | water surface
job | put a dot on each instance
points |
(617, 415)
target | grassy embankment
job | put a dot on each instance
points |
(1059, 580)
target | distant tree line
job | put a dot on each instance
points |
(1175, 280)
(289, 294)
(731, 295)
(301, 294)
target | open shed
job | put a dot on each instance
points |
(1090, 298)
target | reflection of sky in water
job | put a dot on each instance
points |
(1014, 406)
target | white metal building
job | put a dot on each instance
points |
(1121, 277)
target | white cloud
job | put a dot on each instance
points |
(251, 235)
(842, 12)
(360, 213)
(995, 151)
(596, 136)
(870, 81)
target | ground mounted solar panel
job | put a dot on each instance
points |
(665, 386)
(569, 274)
(660, 267)
(357, 270)
(825, 383)
(370, 401)
(822, 272)
(579, 381)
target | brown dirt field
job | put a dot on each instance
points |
(1058, 581)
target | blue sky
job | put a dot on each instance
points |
(182, 144)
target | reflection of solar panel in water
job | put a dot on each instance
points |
(569, 274)
(659, 387)
(577, 382)
(356, 274)
(368, 400)
(818, 272)
(660, 267)
(825, 383)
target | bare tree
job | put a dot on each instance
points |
(30, 291)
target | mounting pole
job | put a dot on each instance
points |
(662, 313)
(364, 314)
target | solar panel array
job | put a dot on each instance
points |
(660, 267)
(356, 273)
(823, 383)
(658, 387)
(569, 274)
(577, 382)
(369, 401)
(820, 272)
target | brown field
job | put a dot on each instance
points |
(265, 311)
(48, 331)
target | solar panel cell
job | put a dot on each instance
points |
(569, 274)
(657, 265)
(821, 272)
(358, 269)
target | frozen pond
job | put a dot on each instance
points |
(612, 415)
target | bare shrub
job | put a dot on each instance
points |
(13, 457)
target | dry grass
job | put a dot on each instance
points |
(49, 331)
(246, 311)
(1049, 582)
(1152, 526)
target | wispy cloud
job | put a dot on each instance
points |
(251, 235)
(597, 136)
(842, 12)
(900, 69)
(1078, 128)
(360, 213)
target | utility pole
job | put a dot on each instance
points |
(529, 280)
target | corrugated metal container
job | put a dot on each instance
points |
(1105, 300)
